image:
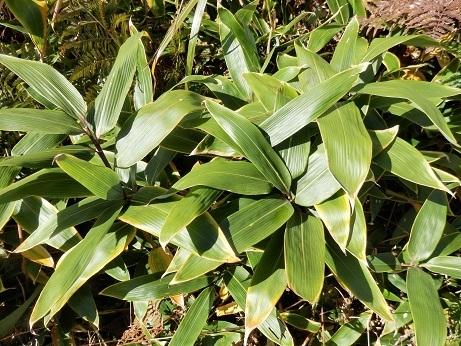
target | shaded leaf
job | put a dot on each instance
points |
(154, 286)
(191, 325)
(354, 276)
(305, 256)
(428, 316)
(267, 284)
(101, 181)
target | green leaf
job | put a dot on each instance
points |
(448, 243)
(235, 176)
(202, 236)
(305, 256)
(154, 286)
(45, 159)
(109, 103)
(381, 139)
(157, 163)
(83, 304)
(198, 15)
(267, 285)
(317, 71)
(413, 91)
(38, 120)
(253, 144)
(55, 223)
(347, 145)
(400, 156)
(49, 84)
(152, 123)
(300, 322)
(354, 276)
(335, 213)
(11, 320)
(255, 222)
(48, 182)
(35, 142)
(237, 280)
(193, 267)
(317, 184)
(310, 105)
(341, 8)
(320, 36)
(428, 317)
(143, 91)
(32, 213)
(349, 333)
(382, 44)
(195, 203)
(428, 226)
(383, 262)
(239, 51)
(265, 88)
(101, 181)
(357, 242)
(80, 263)
(445, 265)
(32, 15)
(295, 152)
(190, 327)
(344, 53)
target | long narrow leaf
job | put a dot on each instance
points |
(305, 256)
(253, 144)
(310, 105)
(38, 120)
(235, 176)
(55, 223)
(196, 202)
(428, 226)
(428, 316)
(109, 102)
(153, 122)
(190, 327)
(348, 147)
(101, 181)
(74, 269)
(49, 84)
(48, 182)
(267, 285)
(354, 276)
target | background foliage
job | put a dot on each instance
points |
(224, 173)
